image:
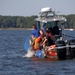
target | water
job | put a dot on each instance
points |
(12, 61)
(69, 34)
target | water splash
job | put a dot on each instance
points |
(29, 54)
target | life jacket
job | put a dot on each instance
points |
(37, 43)
(51, 51)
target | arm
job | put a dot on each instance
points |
(44, 41)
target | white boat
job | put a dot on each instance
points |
(48, 19)
(71, 29)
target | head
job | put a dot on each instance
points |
(47, 32)
(34, 26)
(41, 32)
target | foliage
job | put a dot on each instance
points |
(16, 21)
(71, 20)
(26, 22)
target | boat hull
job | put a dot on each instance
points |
(46, 59)
(60, 51)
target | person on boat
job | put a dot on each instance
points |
(35, 31)
(48, 41)
(56, 29)
(42, 35)
(41, 32)
(38, 41)
(36, 44)
(34, 35)
(50, 34)
(45, 39)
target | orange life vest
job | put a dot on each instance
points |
(37, 43)
(51, 52)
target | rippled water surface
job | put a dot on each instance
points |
(12, 61)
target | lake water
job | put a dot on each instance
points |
(12, 61)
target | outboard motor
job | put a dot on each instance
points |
(72, 47)
(61, 50)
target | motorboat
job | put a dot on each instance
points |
(63, 48)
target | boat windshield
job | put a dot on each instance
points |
(52, 24)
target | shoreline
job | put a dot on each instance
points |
(28, 29)
(15, 28)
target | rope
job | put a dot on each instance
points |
(61, 47)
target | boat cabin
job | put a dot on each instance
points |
(48, 19)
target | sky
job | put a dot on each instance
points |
(33, 7)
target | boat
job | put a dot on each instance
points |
(63, 48)
(71, 29)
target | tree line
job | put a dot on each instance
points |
(26, 22)
(16, 21)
